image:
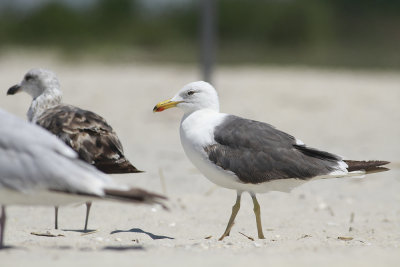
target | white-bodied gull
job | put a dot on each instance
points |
(36, 168)
(247, 155)
(84, 131)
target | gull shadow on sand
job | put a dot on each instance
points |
(137, 230)
(123, 248)
(80, 231)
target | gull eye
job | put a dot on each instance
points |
(191, 92)
(28, 77)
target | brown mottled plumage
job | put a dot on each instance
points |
(89, 135)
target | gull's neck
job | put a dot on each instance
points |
(199, 111)
(48, 99)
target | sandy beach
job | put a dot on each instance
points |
(346, 222)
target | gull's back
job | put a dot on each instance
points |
(89, 135)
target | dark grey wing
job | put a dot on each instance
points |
(89, 135)
(257, 152)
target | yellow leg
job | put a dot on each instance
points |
(258, 217)
(235, 210)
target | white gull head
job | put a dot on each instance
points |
(197, 95)
(44, 88)
(192, 97)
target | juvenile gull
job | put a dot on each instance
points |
(36, 168)
(84, 131)
(247, 155)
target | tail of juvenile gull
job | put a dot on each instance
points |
(135, 195)
(113, 167)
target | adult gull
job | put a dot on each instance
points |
(86, 132)
(250, 156)
(36, 168)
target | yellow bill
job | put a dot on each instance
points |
(165, 105)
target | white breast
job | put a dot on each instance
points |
(197, 132)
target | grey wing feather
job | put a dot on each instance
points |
(257, 152)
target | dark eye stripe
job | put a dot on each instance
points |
(28, 77)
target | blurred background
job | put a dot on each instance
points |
(326, 71)
(334, 33)
(332, 62)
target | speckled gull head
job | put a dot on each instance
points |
(36, 82)
(193, 96)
